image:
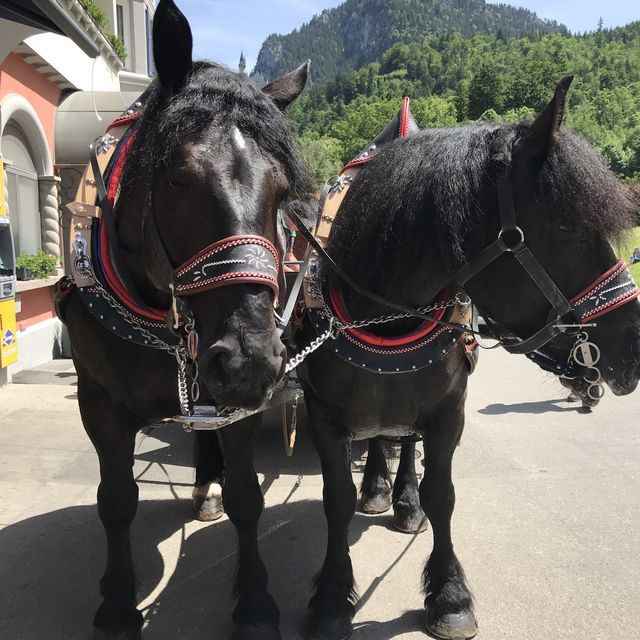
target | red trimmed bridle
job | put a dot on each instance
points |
(611, 290)
(241, 259)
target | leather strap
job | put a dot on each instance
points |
(233, 260)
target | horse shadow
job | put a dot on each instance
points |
(537, 407)
(51, 564)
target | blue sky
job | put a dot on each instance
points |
(221, 28)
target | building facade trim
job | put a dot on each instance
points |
(17, 108)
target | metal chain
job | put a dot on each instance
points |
(128, 317)
(335, 326)
(307, 351)
(452, 302)
(183, 392)
(179, 351)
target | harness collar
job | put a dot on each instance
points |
(338, 307)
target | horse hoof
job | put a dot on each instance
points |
(410, 520)
(319, 628)
(207, 502)
(453, 626)
(260, 632)
(375, 504)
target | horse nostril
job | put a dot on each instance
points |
(214, 363)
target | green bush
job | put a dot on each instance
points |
(118, 46)
(95, 13)
(100, 18)
(40, 264)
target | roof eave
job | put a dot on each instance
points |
(69, 26)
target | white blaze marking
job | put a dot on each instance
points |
(239, 140)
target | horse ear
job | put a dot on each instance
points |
(172, 45)
(542, 133)
(285, 89)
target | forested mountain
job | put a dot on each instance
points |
(358, 32)
(454, 79)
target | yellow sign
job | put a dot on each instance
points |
(3, 208)
(8, 333)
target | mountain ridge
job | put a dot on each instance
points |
(357, 32)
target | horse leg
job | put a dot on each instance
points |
(112, 431)
(256, 616)
(332, 607)
(408, 515)
(448, 602)
(375, 491)
(207, 493)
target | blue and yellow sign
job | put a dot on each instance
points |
(8, 333)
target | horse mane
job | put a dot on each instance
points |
(212, 94)
(421, 198)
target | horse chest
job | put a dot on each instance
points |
(141, 379)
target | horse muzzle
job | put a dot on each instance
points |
(242, 371)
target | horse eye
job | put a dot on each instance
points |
(175, 184)
(565, 227)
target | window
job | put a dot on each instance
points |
(147, 19)
(120, 21)
(24, 210)
(23, 194)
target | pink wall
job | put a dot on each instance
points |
(36, 306)
(16, 76)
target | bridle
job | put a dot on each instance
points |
(611, 290)
(238, 259)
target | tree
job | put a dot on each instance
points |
(323, 154)
(485, 91)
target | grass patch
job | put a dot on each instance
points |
(625, 250)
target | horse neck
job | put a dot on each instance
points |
(415, 288)
(143, 260)
(418, 282)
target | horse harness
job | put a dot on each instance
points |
(611, 290)
(351, 340)
(98, 275)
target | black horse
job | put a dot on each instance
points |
(420, 218)
(212, 159)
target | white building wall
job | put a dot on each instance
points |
(109, 7)
(83, 72)
(11, 35)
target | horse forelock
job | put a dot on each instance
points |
(577, 185)
(424, 196)
(213, 97)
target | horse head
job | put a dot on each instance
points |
(213, 159)
(569, 210)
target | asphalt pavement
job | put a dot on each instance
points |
(547, 521)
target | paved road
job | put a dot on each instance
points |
(547, 522)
